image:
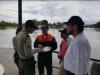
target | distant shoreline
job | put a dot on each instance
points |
(7, 27)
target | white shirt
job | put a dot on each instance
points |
(77, 58)
(69, 40)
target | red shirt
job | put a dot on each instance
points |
(63, 48)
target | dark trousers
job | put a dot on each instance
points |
(26, 67)
(45, 61)
(16, 59)
(69, 73)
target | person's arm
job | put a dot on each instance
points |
(28, 48)
(80, 60)
(60, 51)
(14, 43)
(36, 47)
(54, 45)
(36, 43)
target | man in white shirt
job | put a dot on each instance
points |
(76, 59)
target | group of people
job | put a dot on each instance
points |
(74, 52)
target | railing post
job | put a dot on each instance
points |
(19, 13)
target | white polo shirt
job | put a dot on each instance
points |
(77, 57)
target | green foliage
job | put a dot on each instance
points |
(51, 25)
(4, 24)
(97, 25)
(58, 25)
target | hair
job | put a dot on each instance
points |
(80, 28)
(29, 23)
(44, 22)
(77, 20)
(18, 30)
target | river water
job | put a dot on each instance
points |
(93, 36)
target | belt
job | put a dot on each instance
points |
(27, 59)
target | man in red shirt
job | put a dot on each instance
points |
(63, 45)
(63, 49)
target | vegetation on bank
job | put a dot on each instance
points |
(4, 25)
(97, 25)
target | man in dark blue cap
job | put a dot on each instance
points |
(76, 59)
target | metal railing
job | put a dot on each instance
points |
(92, 59)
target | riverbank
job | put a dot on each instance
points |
(8, 27)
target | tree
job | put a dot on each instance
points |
(97, 25)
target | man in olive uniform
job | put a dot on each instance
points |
(25, 51)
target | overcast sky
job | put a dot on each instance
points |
(52, 11)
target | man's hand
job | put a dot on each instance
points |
(59, 56)
(40, 46)
(40, 50)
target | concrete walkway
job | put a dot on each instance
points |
(6, 59)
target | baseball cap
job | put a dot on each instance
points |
(30, 23)
(63, 31)
(75, 20)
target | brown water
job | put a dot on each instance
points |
(6, 48)
(92, 35)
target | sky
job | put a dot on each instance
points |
(53, 11)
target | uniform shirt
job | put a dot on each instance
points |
(76, 59)
(24, 45)
(15, 48)
(14, 43)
